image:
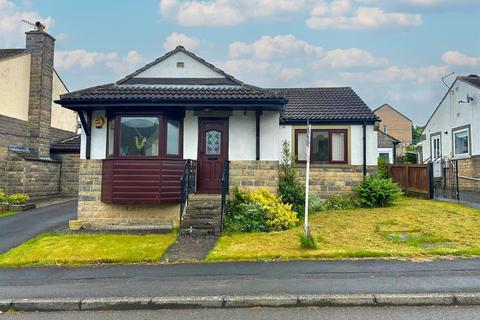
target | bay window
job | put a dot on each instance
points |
(327, 146)
(141, 135)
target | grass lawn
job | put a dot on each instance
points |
(412, 228)
(77, 249)
(8, 213)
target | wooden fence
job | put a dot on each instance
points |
(413, 178)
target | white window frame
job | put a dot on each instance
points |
(439, 139)
(386, 150)
(461, 155)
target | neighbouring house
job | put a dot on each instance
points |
(180, 125)
(30, 122)
(453, 131)
(396, 125)
(387, 147)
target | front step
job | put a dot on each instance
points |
(202, 216)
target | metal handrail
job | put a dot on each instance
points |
(225, 190)
(188, 184)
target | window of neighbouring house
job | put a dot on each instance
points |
(385, 129)
(436, 147)
(139, 136)
(384, 155)
(327, 146)
(461, 145)
(173, 137)
(111, 135)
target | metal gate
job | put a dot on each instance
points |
(445, 179)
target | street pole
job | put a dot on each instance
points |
(307, 176)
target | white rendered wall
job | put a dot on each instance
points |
(242, 136)
(356, 147)
(168, 69)
(284, 133)
(98, 140)
(270, 138)
(451, 114)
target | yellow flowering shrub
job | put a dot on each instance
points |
(280, 216)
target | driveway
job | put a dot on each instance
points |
(25, 225)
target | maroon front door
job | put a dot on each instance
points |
(212, 153)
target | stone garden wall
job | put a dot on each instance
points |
(469, 174)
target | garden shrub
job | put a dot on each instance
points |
(341, 202)
(13, 199)
(315, 203)
(375, 191)
(289, 188)
(258, 211)
(382, 168)
(17, 198)
(280, 216)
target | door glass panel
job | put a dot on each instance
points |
(213, 142)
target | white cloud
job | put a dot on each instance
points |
(280, 46)
(83, 59)
(226, 12)
(176, 39)
(347, 58)
(459, 59)
(265, 72)
(391, 74)
(12, 29)
(288, 49)
(343, 14)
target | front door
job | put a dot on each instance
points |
(212, 153)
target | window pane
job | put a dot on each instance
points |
(173, 137)
(213, 142)
(301, 146)
(461, 142)
(385, 156)
(111, 135)
(139, 136)
(436, 148)
(319, 146)
(338, 146)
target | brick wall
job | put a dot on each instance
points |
(469, 168)
(397, 126)
(95, 214)
(324, 180)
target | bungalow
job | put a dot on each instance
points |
(180, 125)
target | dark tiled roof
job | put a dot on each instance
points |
(113, 92)
(324, 104)
(181, 81)
(8, 53)
(69, 144)
(474, 80)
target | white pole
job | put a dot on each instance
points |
(307, 176)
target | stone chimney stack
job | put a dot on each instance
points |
(41, 46)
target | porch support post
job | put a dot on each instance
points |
(86, 120)
(258, 113)
(364, 126)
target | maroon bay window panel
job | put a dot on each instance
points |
(142, 181)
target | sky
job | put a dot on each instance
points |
(388, 51)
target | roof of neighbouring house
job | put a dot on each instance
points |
(324, 104)
(71, 144)
(472, 79)
(393, 109)
(8, 53)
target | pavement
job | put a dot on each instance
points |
(359, 313)
(189, 249)
(25, 225)
(468, 198)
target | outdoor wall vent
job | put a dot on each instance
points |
(180, 65)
